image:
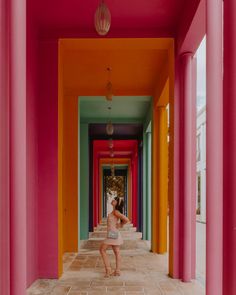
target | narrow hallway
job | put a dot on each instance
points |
(125, 111)
(142, 272)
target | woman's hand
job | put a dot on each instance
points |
(122, 217)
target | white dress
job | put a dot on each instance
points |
(112, 224)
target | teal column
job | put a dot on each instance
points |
(148, 184)
(147, 168)
(84, 182)
(144, 186)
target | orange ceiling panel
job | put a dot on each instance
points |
(136, 65)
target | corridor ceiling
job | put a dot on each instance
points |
(136, 65)
(124, 108)
(121, 131)
(122, 148)
(131, 18)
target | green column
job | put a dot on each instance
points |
(144, 186)
(148, 184)
(147, 168)
(84, 182)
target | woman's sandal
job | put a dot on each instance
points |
(108, 272)
(116, 273)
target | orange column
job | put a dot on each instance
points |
(159, 180)
(70, 174)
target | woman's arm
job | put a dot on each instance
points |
(122, 217)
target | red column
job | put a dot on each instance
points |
(18, 146)
(4, 151)
(214, 150)
(134, 188)
(188, 157)
(95, 187)
(229, 246)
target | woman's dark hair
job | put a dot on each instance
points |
(120, 204)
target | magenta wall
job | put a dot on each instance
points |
(4, 153)
(47, 160)
(31, 155)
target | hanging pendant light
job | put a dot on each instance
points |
(109, 87)
(109, 126)
(102, 19)
(112, 154)
(109, 94)
(112, 170)
(110, 143)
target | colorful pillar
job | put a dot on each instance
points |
(18, 201)
(134, 208)
(154, 182)
(175, 200)
(144, 176)
(4, 151)
(140, 188)
(130, 191)
(229, 246)
(160, 180)
(70, 174)
(84, 181)
(214, 149)
(95, 188)
(149, 184)
(188, 159)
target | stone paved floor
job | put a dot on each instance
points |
(201, 251)
(142, 273)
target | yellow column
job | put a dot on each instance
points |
(159, 180)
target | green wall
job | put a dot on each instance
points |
(144, 186)
(149, 184)
(147, 166)
(84, 182)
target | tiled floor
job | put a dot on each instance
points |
(201, 251)
(142, 273)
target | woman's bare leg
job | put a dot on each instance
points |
(116, 250)
(105, 259)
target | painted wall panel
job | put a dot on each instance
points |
(144, 179)
(32, 154)
(70, 174)
(4, 151)
(84, 181)
(18, 140)
(48, 161)
(149, 184)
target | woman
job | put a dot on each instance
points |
(114, 238)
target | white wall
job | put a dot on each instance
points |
(201, 164)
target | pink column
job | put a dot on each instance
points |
(18, 146)
(4, 151)
(214, 149)
(193, 168)
(229, 246)
(176, 247)
(188, 153)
